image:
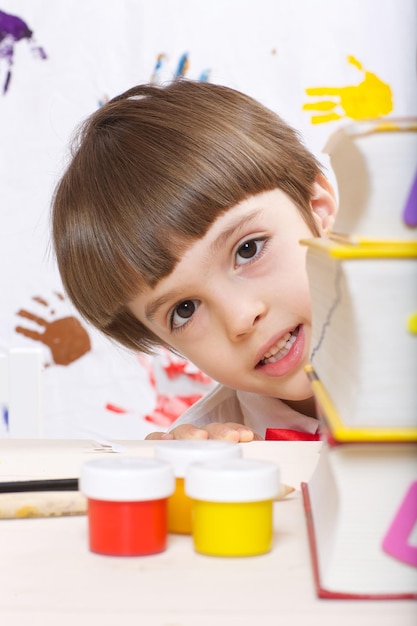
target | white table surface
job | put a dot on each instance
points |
(48, 576)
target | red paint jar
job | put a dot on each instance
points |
(127, 504)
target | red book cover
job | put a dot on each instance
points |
(326, 593)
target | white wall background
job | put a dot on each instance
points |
(271, 49)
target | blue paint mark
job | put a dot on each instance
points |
(183, 65)
(5, 415)
(204, 76)
(12, 30)
(160, 62)
(162, 68)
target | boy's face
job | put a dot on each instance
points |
(237, 304)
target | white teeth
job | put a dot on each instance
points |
(281, 349)
(278, 347)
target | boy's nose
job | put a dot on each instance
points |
(241, 315)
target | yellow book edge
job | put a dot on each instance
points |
(363, 128)
(345, 247)
(346, 434)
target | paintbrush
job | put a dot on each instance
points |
(41, 498)
(55, 497)
(284, 491)
(53, 484)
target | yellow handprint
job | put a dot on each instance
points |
(369, 99)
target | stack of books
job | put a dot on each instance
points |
(361, 502)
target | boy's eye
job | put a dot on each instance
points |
(182, 313)
(248, 250)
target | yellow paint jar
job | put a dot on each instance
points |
(232, 506)
(181, 454)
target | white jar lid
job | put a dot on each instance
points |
(235, 480)
(183, 452)
(127, 479)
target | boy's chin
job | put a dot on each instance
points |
(306, 406)
(299, 391)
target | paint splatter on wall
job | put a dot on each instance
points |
(65, 337)
(163, 70)
(167, 406)
(12, 31)
(371, 97)
(68, 341)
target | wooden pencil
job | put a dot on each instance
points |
(54, 498)
(285, 491)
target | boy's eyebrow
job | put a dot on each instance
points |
(152, 307)
(234, 228)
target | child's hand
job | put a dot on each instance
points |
(228, 431)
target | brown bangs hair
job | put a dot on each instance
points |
(150, 172)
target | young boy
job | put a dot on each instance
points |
(177, 223)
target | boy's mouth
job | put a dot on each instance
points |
(281, 348)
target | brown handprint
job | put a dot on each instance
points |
(65, 337)
(369, 98)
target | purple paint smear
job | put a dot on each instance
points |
(12, 30)
(5, 415)
(410, 209)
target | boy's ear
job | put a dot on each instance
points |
(323, 204)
